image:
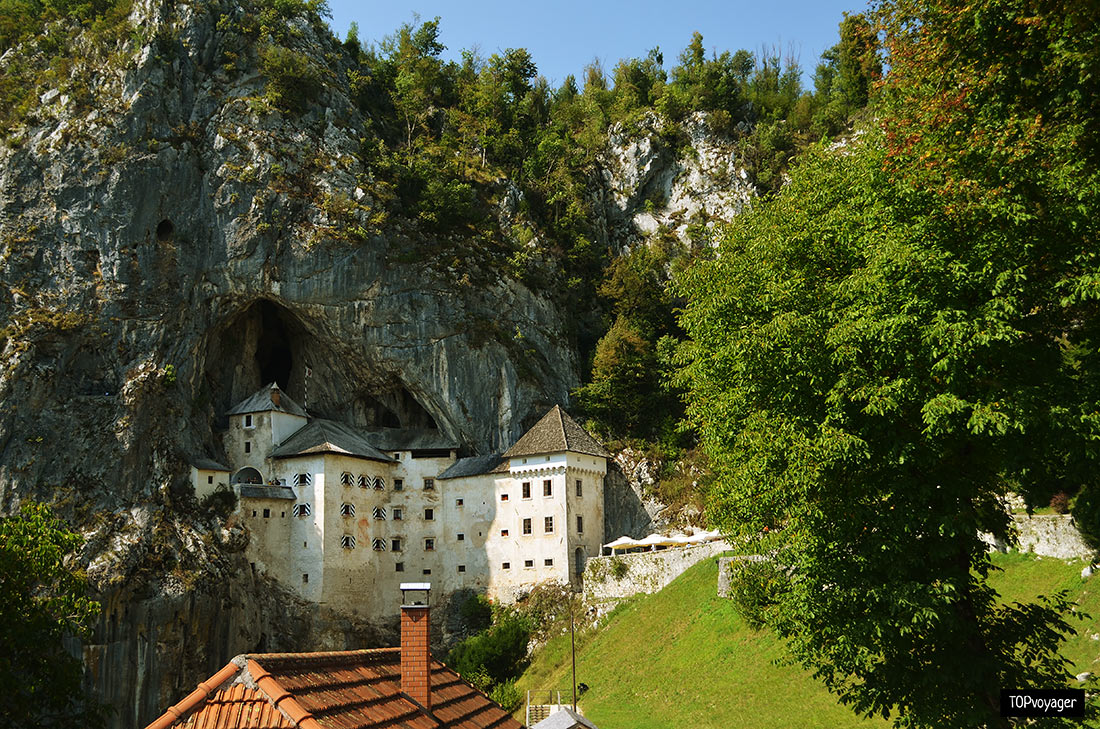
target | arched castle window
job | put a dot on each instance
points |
(347, 541)
(379, 545)
(347, 479)
(364, 481)
(301, 510)
(379, 484)
(379, 512)
(347, 509)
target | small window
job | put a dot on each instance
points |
(304, 545)
(580, 487)
(429, 545)
(397, 456)
(529, 563)
(305, 578)
(301, 510)
(282, 514)
(461, 537)
(248, 446)
(303, 479)
(458, 502)
(248, 421)
(427, 572)
(398, 484)
(461, 568)
(399, 567)
(429, 484)
(548, 524)
(429, 514)
(504, 497)
(398, 513)
(379, 545)
(580, 525)
(347, 479)
(506, 565)
(526, 526)
(503, 532)
(253, 512)
(363, 481)
(395, 545)
(347, 541)
(526, 489)
(379, 484)
(210, 479)
(347, 509)
(379, 512)
(548, 563)
(267, 513)
(547, 488)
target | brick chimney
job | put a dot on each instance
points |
(416, 653)
(276, 395)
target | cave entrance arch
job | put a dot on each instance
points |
(274, 355)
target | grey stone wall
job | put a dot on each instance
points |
(609, 579)
(1048, 535)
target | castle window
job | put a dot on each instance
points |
(580, 487)
(253, 512)
(305, 578)
(398, 484)
(379, 512)
(526, 489)
(427, 572)
(461, 537)
(364, 481)
(429, 514)
(548, 525)
(580, 525)
(506, 565)
(398, 513)
(303, 479)
(548, 563)
(301, 510)
(248, 446)
(503, 532)
(529, 564)
(429, 484)
(210, 479)
(504, 497)
(248, 421)
(347, 541)
(429, 545)
(267, 513)
(395, 545)
(347, 509)
(526, 526)
(347, 479)
(458, 502)
(282, 514)
(379, 545)
(462, 568)
(399, 567)
(379, 484)
(547, 488)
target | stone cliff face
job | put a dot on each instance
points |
(170, 248)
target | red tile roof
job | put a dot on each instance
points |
(338, 690)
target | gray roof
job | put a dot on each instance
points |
(472, 466)
(208, 465)
(564, 718)
(262, 401)
(328, 436)
(267, 492)
(407, 439)
(556, 432)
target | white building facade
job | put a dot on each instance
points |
(343, 516)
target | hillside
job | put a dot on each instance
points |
(656, 660)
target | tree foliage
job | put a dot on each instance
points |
(901, 336)
(42, 601)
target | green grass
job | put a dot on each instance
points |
(683, 657)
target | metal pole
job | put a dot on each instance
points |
(573, 648)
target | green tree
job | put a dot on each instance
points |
(902, 335)
(42, 600)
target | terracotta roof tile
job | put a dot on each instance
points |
(334, 690)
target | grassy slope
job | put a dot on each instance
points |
(683, 657)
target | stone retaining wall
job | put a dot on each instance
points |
(618, 577)
(1048, 535)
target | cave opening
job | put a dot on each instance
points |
(274, 356)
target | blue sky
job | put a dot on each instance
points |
(564, 36)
